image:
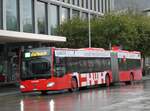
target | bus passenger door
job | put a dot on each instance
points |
(60, 72)
(114, 67)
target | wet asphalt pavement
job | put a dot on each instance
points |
(116, 98)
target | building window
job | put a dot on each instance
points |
(1, 17)
(67, 1)
(27, 15)
(87, 3)
(92, 16)
(82, 4)
(91, 3)
(11, 15)
(41, 18)
(109, 6)
(65, 14)
(102, 5)
(75, 2)
(98, 5)
(75, 13)
(85, 16)
(95, 5)
(105, 5)
(54, 18)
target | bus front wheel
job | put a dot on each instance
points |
(74, 85)
(44, 92)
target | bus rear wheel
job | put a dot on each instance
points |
(74, 85)
(107, 80)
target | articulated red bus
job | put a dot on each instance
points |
(51, 69)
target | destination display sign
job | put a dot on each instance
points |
(36, 53)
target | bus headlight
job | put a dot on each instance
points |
(50, 84)
(22, 86)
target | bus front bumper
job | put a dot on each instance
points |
(38, 85)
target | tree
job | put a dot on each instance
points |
(76, 31)
(109, 28)
(129, 30)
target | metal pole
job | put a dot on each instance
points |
(110, 45)
(89, 31)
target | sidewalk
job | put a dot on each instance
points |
(147, 77)
(9, 89)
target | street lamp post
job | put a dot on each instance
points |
(89, 21)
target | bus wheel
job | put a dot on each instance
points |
(74, 85)
(107, 80)
(44, 92)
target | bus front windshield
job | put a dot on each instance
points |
(36, 68)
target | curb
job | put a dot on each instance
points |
(9, 93)
(3, 84)
(146, 78)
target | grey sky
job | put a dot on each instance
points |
(138, 4)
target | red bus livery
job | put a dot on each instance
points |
(51, 69)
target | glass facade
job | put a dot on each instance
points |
(1, 20)
(27, 15)
(22, 17)
(91, 3)
(109, 6)
(87, 3)
(54, 20)
(65, 14)
(92, 16)
(75, 2)
(67, 1)
(106, 5)
(41, 18)
(75, 13)
(82, 4)
(95, 5)
(11, 15)
(85, 16)
(98, 5)
(102, 5)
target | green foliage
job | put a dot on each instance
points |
(129, 30)
(76, 31)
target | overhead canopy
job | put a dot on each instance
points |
(12, 36)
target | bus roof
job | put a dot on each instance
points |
(99, 49)
(92, 52)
